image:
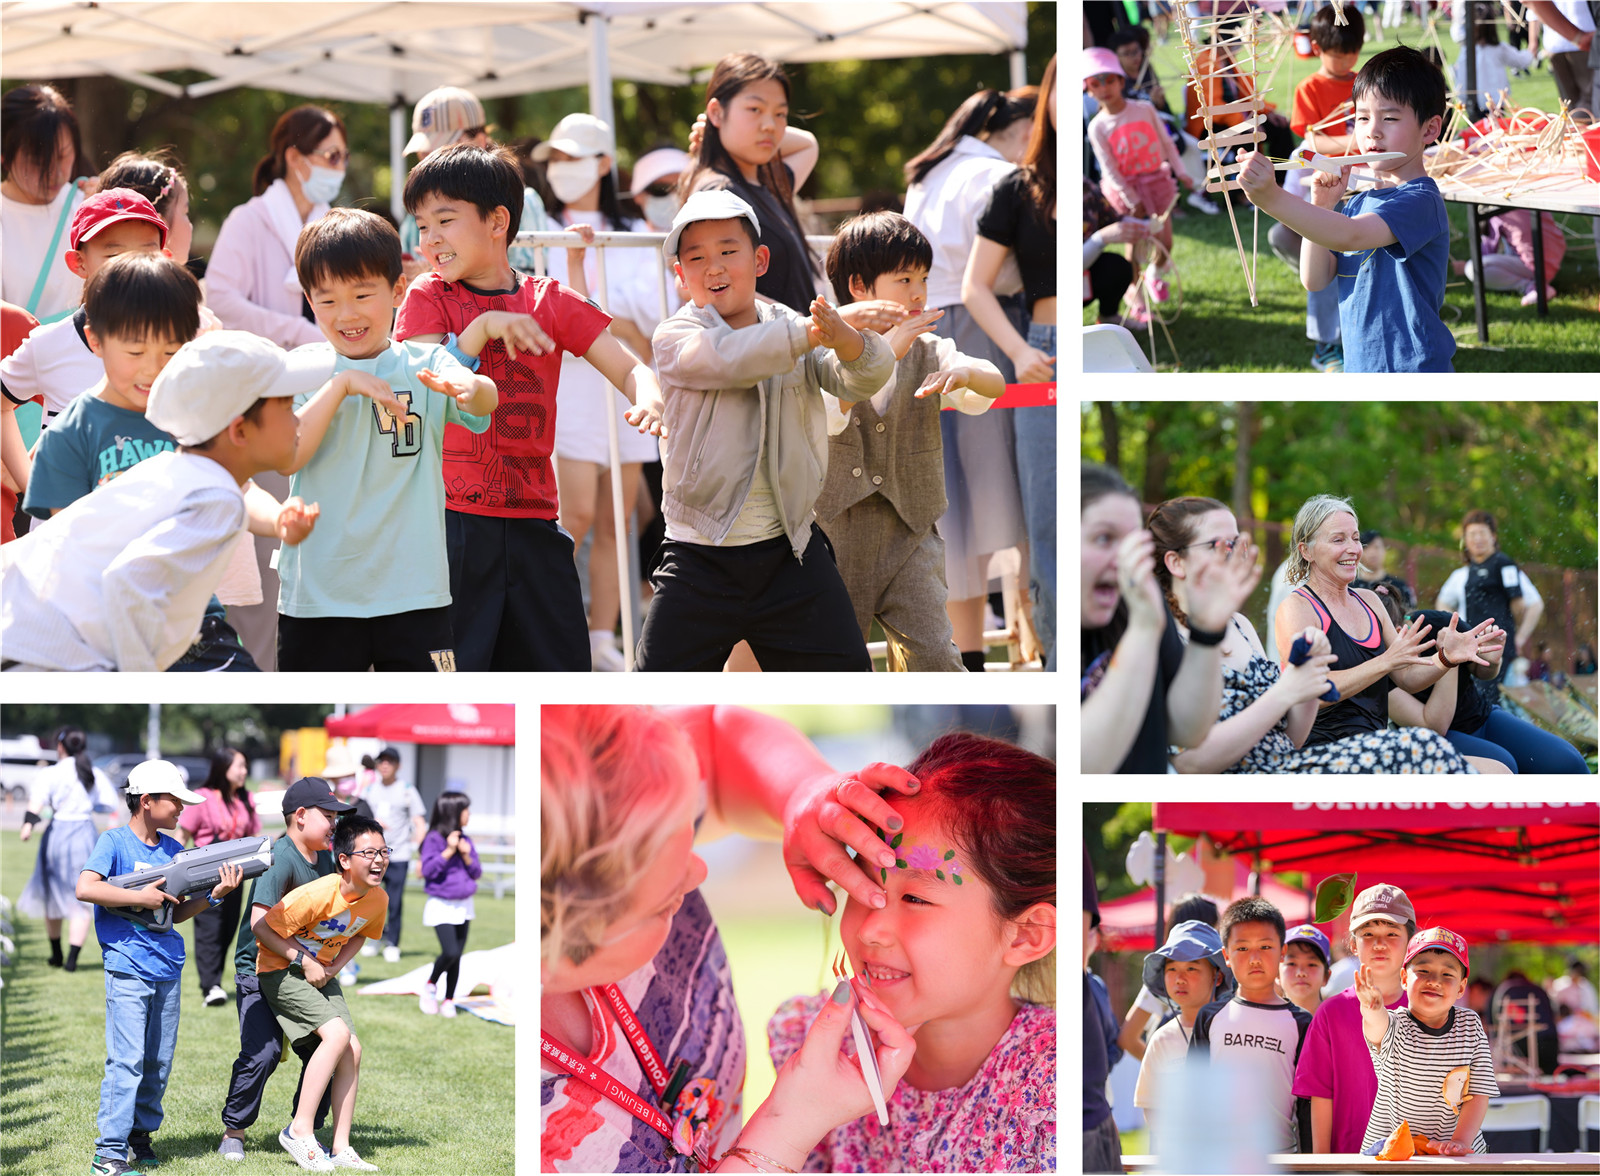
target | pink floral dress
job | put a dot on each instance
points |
(1003, 1120)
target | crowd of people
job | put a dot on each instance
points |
(1141, 141)
(782, 404)
(1346, 1044)
(1353, 677)
(336, 883)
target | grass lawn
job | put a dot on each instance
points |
(1218, 330)
(435, 1095)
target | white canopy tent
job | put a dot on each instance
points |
(394, 51)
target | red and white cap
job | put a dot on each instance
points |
(114, 205)
(1438, 939)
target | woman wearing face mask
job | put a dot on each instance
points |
(250, 280)
(578, 158)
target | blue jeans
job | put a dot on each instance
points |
(1036, 468)
(1521, 746)
(141, 1034)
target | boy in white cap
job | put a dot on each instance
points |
(120, 579)
(1432, 1057)
(143, 968)
(745, 458)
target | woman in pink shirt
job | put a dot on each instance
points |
(229, 812)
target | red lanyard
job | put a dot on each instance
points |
(680, 1137)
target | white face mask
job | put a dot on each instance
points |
(322, 185)
(659, 210)
(571, 179)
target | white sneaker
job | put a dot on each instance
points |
(348, 1159)
(391, 954)
(216, 996)
(604, 656)
(428, 1002)
(307, 1153)
(447, 1008)
(369, 948)
(231, 1149)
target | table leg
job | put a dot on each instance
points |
(1538, 263)
(1475, 252)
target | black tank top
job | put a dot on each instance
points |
(1359, 714)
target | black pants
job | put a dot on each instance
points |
(515, 600)
(214, 931)
(418, 640)
(217, 650)
(1109, 279)
(394, 885)
(795, 613)
(452, 942)
(260, 1048)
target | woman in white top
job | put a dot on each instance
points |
(42, 151)
(71, 788)
(577, 158)
(250, 280)
(948, 187)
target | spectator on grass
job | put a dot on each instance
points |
(1492, 585)
(1107, 275)
(948, 184)
(1509, 1007)
(1371, 572)
(1508, 260)
(42, 150)
(1583, 661)
(228, 813)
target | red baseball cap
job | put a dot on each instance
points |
(110, 207)
(1438, 939)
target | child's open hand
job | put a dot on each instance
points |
(825, 328)
(296, 520)
(874, 314)
(519, 332)
(940, 383)
(228, 881)
(1255, 176)
(458, 390)
(646, 417)
(1453, 1147)
(903, 334)
(1366, 991)
(366, 384)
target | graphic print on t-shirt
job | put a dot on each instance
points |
(335, 928)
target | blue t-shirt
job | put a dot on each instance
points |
(378, 546)
(88, 445)
(128, 947)
(1390, 298)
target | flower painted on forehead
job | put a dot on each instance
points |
(921, 857)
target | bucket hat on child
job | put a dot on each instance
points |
(1189, 940)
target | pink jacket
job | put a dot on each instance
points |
(215, 821)
(245, 280)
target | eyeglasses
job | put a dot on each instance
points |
(372, 854)
(1226, 546)
(336, 156)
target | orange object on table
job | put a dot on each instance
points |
(1399, 1145)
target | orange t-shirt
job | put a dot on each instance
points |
(319, 918)
(1316, 98)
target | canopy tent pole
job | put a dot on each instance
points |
(600, 72)
(1019, 69)
(1161, 887)
(397, 159)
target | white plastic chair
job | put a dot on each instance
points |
(1519, 1112)
(1588, 1120)
(1110, 348)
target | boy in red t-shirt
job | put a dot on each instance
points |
(1338, 49)
(515, 599)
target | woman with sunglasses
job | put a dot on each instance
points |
(250, 280)
(1268, 714)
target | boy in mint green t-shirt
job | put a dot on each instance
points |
(371, 588)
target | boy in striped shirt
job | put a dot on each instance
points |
(1417, 1051)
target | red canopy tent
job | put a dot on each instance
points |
(1128, 923)
(436, 722)
(1499, 869)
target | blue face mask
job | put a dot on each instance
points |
(322, 185)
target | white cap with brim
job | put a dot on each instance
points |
(654, 165)
(707, 204)
(157, 776)
(216, 377)
(578, 135)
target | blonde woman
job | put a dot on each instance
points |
(635, 983)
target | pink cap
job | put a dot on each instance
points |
(104, 209)
(1438, 939)
(1101, 61)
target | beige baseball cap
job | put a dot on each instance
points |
(441, 116)
(157, 776)
(1382, 902)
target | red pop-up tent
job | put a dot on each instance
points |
(1128, 923)
(454, 722)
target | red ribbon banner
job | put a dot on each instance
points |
(1025, 396)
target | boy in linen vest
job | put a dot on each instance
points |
(885, 487)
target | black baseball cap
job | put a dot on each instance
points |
(1368, 536)
(390, 754)
(314, 792)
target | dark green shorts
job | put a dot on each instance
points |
(300, 1006)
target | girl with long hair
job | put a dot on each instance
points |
(450, 873)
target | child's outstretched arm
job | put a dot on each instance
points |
(1318, 221)
(519, 332)
(13, 452)
(316, 414)
(290, 520)
(1374, 1017)
(859, 365)
(635, 380)
(706, 357)
(475, 395)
